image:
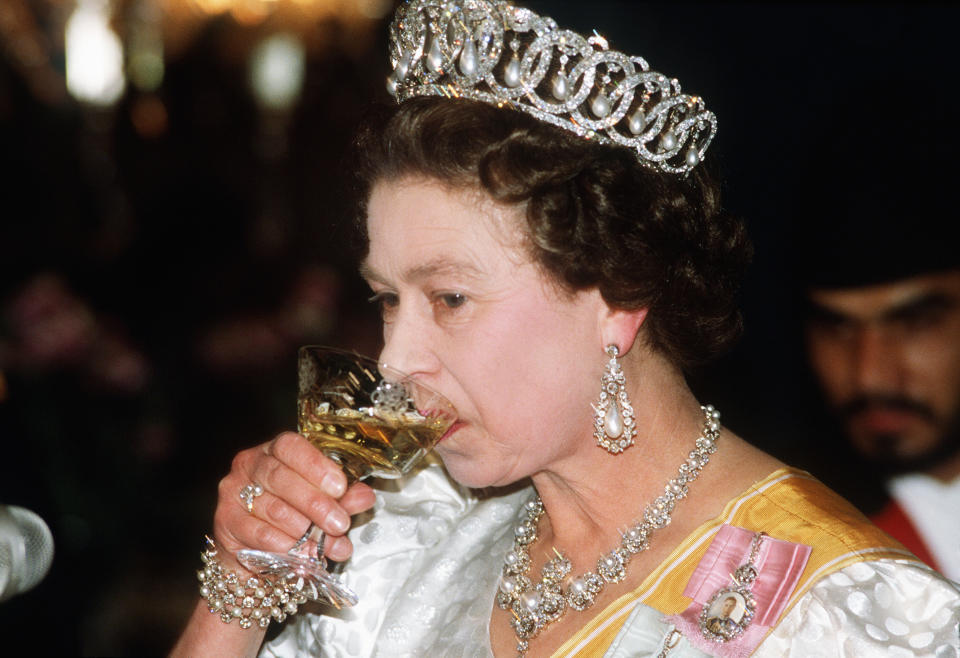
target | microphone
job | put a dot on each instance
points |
(26, 550)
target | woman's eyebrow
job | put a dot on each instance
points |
(368, 273)
(439, 266)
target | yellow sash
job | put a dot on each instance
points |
(788, 504)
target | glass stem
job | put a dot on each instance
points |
(316, 534)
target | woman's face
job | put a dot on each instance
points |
(467, 312)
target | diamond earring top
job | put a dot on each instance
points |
(614, 424)
(507, 56)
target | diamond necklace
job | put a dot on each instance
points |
(535, 606)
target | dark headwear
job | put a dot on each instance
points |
(876, 195)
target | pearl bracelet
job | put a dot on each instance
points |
(257, 602)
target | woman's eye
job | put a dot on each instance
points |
(452, 299)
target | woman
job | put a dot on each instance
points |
(549, 253)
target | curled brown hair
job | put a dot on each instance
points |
(595, 216)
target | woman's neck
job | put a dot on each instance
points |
(591, 495)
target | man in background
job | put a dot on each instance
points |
(887, 356)
(880, 275)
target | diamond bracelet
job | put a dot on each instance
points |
(256, 601)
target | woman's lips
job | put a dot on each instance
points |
(450, 430)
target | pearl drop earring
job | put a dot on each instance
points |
(614, 424)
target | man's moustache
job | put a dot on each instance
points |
(864, 403)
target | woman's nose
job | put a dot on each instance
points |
(407, 346)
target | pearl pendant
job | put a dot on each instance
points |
(512, 75)
(508, 584)
(435, 57)
(613, 421)
(600, 105)
(530, 600)
(468, 59)
(403, 67)
(560, 91)
(637, 122)
(668, 141)
(692, 157)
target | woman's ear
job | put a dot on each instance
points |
(620, 327)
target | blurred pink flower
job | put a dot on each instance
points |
(53, 329)
(241, 344)
(252, 341)
(310, 307)
(50, 327)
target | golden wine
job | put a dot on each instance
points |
(364, 444)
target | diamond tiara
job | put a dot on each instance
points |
(508, 56)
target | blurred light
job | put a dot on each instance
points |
(250, 12)
(149, 116)
(277, 67)
(374, 8)
(145, 44)
(146, 69)
(94, 55)
(213, 6)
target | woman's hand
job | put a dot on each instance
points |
(300, 486)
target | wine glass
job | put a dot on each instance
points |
(373, 421)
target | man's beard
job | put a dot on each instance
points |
(884, 454)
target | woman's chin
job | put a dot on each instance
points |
(460, 466)
(472, 472)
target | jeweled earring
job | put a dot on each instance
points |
(614, 425)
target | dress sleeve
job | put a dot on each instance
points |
(884, 607)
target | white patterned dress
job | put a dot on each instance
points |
(427, 563)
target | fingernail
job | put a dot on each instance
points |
(334, 485)
(338, 520)
(340, 550)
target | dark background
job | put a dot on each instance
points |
(155, 278)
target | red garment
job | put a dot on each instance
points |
(895, 522)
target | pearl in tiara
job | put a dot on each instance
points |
(509, 56)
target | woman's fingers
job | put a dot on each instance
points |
(338, 548)
(315, 467)
(236, 529)
(359, 498)
(277, 513)
(274, 525)
(300, 485)
(294, 501)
